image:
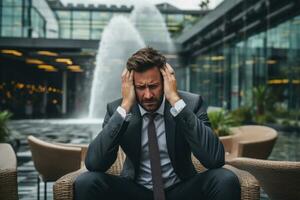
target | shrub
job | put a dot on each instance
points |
(221, 121)
(242, 115)
(4, 132)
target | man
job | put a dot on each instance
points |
(158, 128)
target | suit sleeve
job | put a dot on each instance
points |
(102, 151)
(204, 144)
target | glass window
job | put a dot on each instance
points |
(81, 15)
(8, 11)
(6, 30)
(63, 15)
(17, 31)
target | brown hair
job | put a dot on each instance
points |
(144, 59)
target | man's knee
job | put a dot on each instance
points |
(226, 177)
(89, 181)
(227, 184)
(223, 184)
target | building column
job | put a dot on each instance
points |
(64, 94)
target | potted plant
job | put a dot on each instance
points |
(6, 135)
(4, 132)
(221, 121)
(243, 115)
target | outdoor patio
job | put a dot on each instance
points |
(79, 132)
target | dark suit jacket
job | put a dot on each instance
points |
(188, 132)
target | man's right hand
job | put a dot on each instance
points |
(128, 92)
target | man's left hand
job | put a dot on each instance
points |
(170, 85)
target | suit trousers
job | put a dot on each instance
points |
(213, 184)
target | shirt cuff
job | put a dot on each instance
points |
(178, 107)
(123, 113)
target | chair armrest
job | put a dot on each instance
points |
(63, 188)
(258, 149)
(250, 189)
(227, 143)
(83, 147)
(8, 173)
(8, 184)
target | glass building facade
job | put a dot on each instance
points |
(27, 18)
(269, 56)
(48, 52)
(36, 19)
(89, 23)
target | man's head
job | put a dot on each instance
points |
(148, 81)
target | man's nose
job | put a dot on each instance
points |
(148, 94)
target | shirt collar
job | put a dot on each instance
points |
(160, 110)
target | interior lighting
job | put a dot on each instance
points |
(51, 70)
(20, 85)
(217, 58)
(278, 81)
(48, 68)
(47, 53)
(34, 61)
(296, 81)
(12, 52)
(75, 68)
(8, 94)
(64, 60)
(271, 62)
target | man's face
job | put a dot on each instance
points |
(149, 88)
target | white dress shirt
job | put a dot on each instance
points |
(168, 174)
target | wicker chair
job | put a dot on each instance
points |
(8, 173)
(52, 161)
(279, 179)
(63, 187)
(249, 141)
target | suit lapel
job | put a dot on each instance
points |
(132, 138)
(170, 131)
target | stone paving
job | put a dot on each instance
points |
(82, 132)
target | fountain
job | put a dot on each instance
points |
(151, 25)
(119, 41)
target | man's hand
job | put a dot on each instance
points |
(170, 86)
(128, 92)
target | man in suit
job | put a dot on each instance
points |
(158, 127)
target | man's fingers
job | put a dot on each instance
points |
(162, 70)
(131, 75)
(124, 72)
(127, 75)
(169, 68)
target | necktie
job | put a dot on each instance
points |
(158, 187)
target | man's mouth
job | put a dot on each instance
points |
(148, 102)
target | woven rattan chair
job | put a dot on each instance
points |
(63, 187)
(251, 141)
(8, 173)
(52, 161)
(279, 179)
